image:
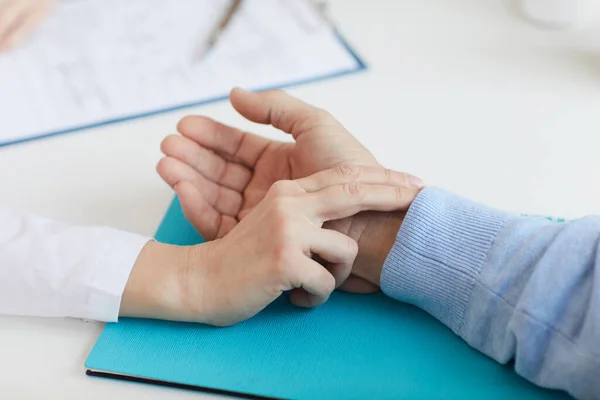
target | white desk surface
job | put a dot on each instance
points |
(458, 92)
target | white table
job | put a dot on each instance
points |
(458, 92)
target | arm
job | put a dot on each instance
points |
(51, 269)
(56, 270)
(515, 288)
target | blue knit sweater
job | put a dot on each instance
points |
(516, 288)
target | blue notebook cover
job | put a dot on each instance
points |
(352, 347)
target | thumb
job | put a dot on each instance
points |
(279, 109)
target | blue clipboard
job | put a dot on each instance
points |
(360, 66)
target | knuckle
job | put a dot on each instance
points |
(278, 114)
(389, 176)
(277, 188)
(399, 193)
(329, 283)
(355, 190)
(282, 217)
(395, 177)
(282, 188)
(349, 172)
(351, 247)
(282, 259)
(280, 117)
(274, 97)
(279, 208)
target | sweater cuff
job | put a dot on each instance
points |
(439, 251)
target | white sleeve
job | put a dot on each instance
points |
(49, 269)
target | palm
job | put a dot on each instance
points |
(221, 173)
(272, 166)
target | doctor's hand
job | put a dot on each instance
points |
(18, 18)
(221, 173)
(271, 251)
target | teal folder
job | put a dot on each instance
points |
(352, 347)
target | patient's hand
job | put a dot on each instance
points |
(18, 18)
(230, 171)
(270, 251)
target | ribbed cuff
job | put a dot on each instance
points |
(439, 251)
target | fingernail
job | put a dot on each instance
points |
(414, 181)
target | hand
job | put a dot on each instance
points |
(230, 171)
(18, 18)
(270, 251)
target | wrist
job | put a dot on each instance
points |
(439, 252)
(156, 287)
(375, 243)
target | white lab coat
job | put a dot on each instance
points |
(49, 269)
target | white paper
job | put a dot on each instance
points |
(100, 60)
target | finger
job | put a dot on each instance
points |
(20, 31)
(279, 109)
(203, 217)
(12, 14)
(213, 167)
(234, 144)
(352, 173)
(341, 201)
(355, 284)
(242, 214)
(224, 200)
(335, 248)
(316, 283)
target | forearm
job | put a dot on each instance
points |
(513, 287)
(157, 286)
(56, 270)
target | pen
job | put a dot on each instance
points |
(214, 37)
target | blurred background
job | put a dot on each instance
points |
(495, 99)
